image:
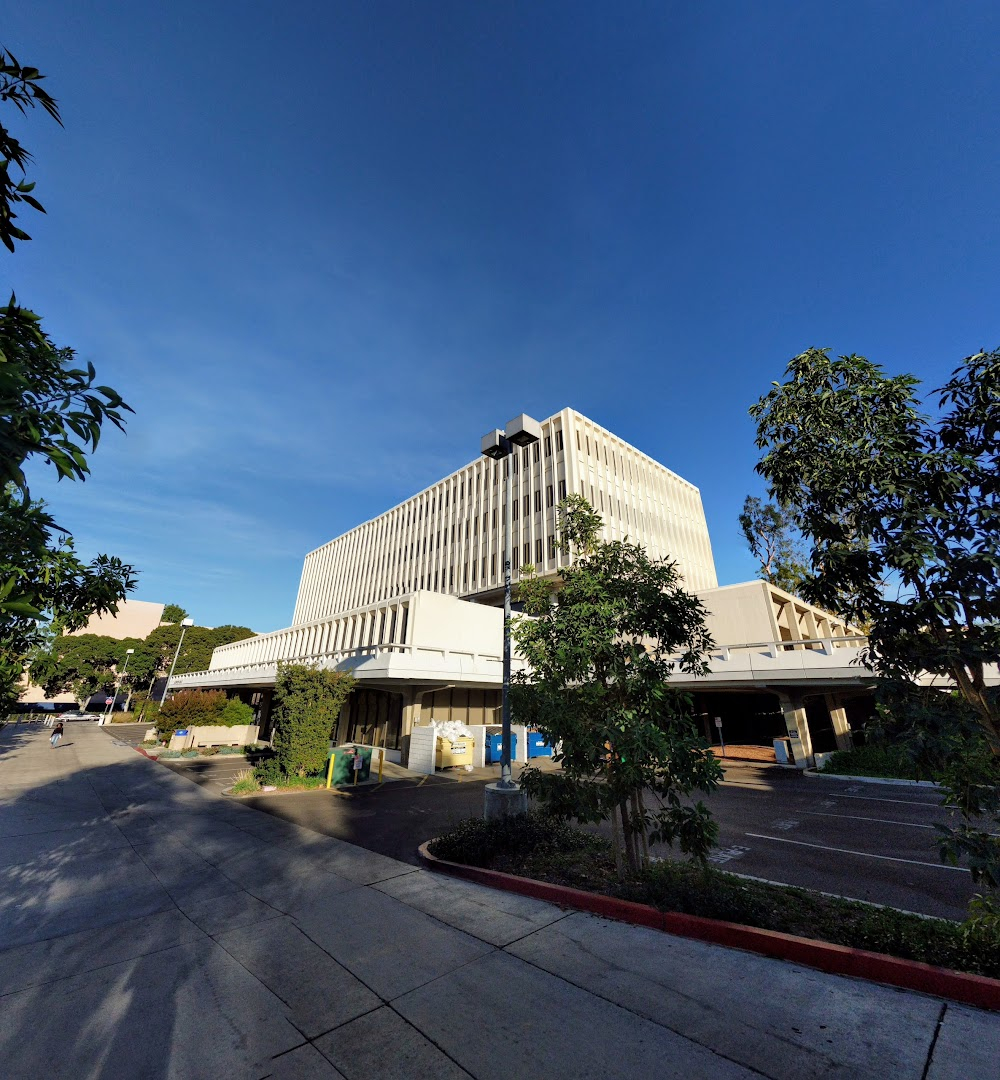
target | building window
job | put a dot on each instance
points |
(514, 560)
(524, 455)
(548, 446)
(562, 490)
(514, 507)
(534, 451)
(527, 505)
(578, 446)
(559, 440)
(527, 553)
(435, 579)
(538, 550)
(552, 547)
(453, 532)
(484, 568)
(493, 565)
(494, 518)
(451, 577)
(538, 502)
(548, 495)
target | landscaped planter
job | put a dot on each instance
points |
(976, 990)
(216, 735)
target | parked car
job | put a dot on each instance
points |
(77, 715)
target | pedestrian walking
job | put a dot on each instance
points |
(57, 734)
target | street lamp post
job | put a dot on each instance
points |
(118, 684)
(185, 623)
(506, 797)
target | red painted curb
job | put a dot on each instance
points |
(975, 990)
(139, 750)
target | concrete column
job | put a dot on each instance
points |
(797, 726)
(841, 728)
(411, 709)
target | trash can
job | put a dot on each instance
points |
(452, 752)
(343, 765)
(537, 746)
(494, 748)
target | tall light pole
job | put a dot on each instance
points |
(506, 797)
(118, 684)
(185, 623)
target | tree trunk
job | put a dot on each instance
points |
(616, 841)
(640, 824)
(629, 833)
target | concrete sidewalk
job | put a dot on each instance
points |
(149, 928)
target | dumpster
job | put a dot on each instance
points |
(452, 752)
(537, 746)
(494, 748)
(343, 765)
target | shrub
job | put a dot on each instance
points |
(235, 714)
(480, 842)
(873, 760)
(230, 749)
(269, 772)
(535, 847)
(170, 754)
(190, 708)
(307, 704)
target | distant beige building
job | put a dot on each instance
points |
(134, 619)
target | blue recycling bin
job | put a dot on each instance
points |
(537, 746)
(494, 748)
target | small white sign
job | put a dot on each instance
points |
(358, 762)
(718, 721)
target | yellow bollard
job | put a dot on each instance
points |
(381, 758)
(329, 772)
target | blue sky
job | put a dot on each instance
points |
(321, 249)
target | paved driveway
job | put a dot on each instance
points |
(149, 928)
(867, 841)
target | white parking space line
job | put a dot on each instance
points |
(855, 817)
(864, 854)
(875, 798)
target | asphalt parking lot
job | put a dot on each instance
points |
(874, 842)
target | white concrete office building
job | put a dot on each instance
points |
(409, 600)
(449, 537)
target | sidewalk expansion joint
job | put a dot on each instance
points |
(934, 1039)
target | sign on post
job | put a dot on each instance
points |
(718, 724)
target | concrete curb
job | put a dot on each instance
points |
(927, 784)
(977, 990)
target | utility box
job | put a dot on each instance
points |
(343, 764)
(537, 746)
(452, 752)
(494, 748)
(783, 752)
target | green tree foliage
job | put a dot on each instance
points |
(306, 709)
(601, 645)
(75, 662)
(773, 539)
(236, 714)
(888, 494)
(190, 708)
(21, 87)
(173, 613)
(50, 410)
